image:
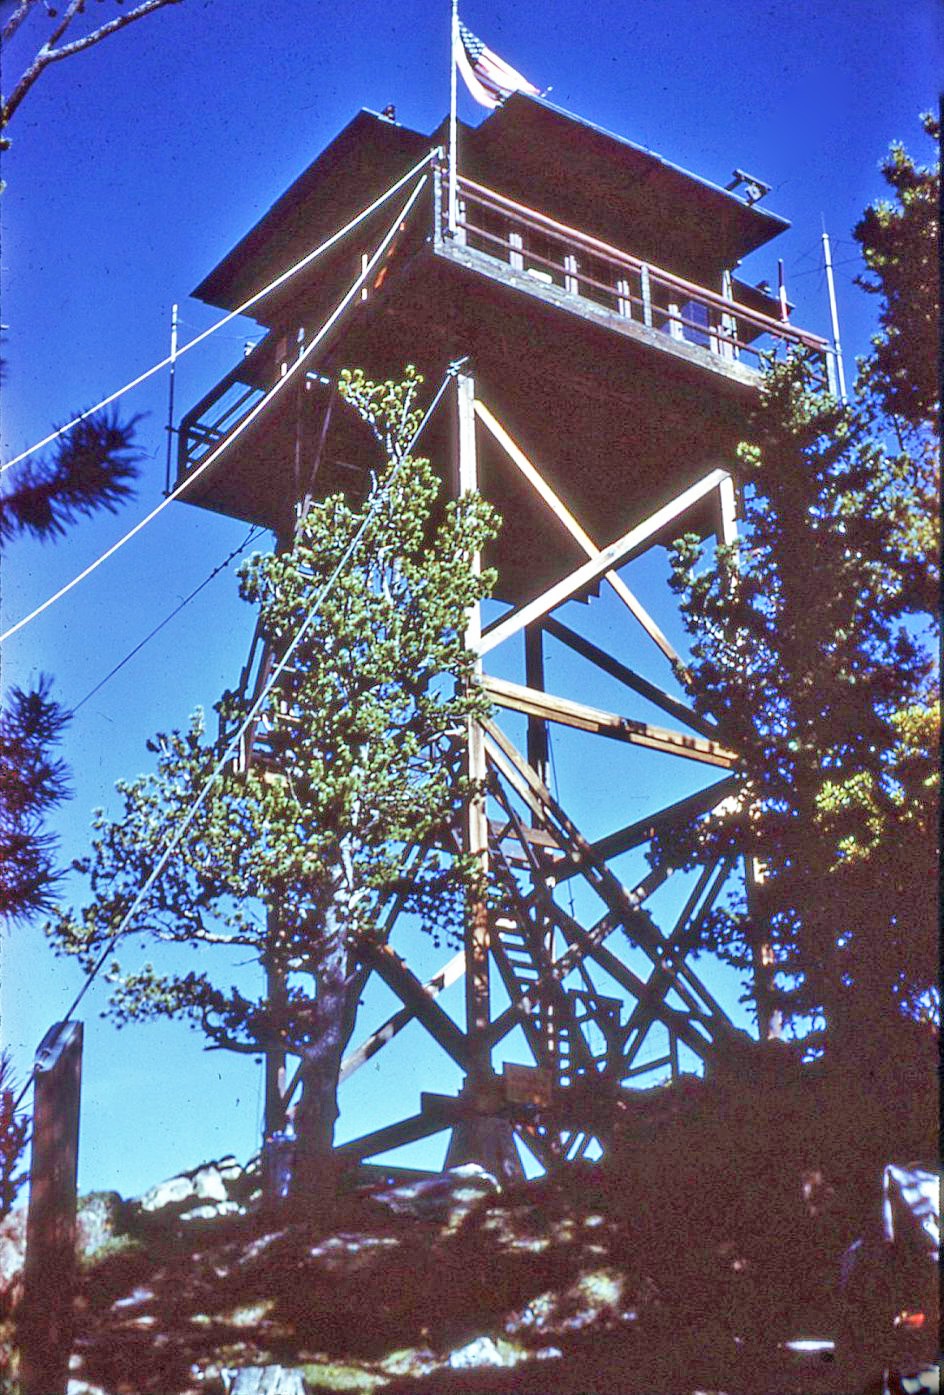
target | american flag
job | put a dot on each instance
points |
(489, 78)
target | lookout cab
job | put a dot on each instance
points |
(591, 285)
(584, 292)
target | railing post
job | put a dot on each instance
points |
(646, 292)
(437, 204)
(461, 232)
(516, 255)
(676, 328)
(728, 322)
(571, 282)
(45, 1326)
(624, 304)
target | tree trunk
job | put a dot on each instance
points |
(315, 1179)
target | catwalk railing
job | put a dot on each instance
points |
(583, 266)
(549, 254)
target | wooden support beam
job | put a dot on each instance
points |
(533, 475)
(608, 887)
(477, 994)
(537, 837)
(593, 719)
(368, 1048)
(394, 1136)
(537, 744)
(662, 978)
(613, 556)
(654, 694)
(46, 1320)
(643, 830)
(578, 936)
(763, 970)
(411, 992)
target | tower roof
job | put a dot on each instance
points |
(529, 149)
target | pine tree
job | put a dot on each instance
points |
(293, 861)
(91, 468)
(814, 645)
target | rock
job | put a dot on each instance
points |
(268, 1380)
(211, 1212)
(212, 1182)
(484, 1351)
(12, 1252)
(595, 1298)
(448, 1197)
(101, 1217)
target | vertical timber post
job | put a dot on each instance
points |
(539, 752)
(538, 748)
(45, 1327)
(479, 1136)
(762, 960)
(476, 825)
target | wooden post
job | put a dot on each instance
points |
(728, 322)
(646, 293)
(538, 751)
(762, 960)
(45, 1326)
(624, 304)
(476, 823)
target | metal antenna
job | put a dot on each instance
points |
(834, 313)
(170, 397)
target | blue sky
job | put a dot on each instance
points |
(137, 165)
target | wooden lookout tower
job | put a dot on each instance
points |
(604, 353)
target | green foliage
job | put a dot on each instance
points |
(14, 1136)
(360, 761)
(91, 468)
(814, 647)
(801, 653)
(32, 781)
(899, 241)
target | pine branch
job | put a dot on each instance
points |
(92, 468)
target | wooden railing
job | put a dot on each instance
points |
(583, 266)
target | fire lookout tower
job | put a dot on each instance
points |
(607, 353)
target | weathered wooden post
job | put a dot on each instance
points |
(45, 1326)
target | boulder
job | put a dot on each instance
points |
(212, 1210)
(268, 1380)
(447, 1198)
(102, 1216)
(594, 1299)
(212, 1182)
(484, 1351)
(12, 1253)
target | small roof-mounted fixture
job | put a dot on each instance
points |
(754, 189)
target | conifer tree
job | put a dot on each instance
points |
(293, 861)
(91, 468)
(814, 646)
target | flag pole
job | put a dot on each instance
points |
(453, 124)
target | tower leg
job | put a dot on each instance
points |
(488, 1141)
